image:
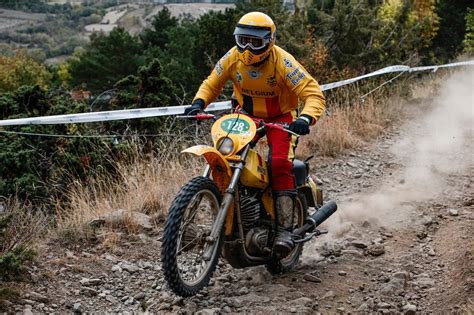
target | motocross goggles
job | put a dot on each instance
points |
(254, 43)
(253, 38)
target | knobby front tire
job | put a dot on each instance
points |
(189, 222)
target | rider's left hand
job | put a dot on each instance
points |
(300, 125)
(195, 109)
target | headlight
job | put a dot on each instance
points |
(225, 146)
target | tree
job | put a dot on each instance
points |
(158, 35)
(448, 41)
(106, 60)
(469, 38)
(21, 70)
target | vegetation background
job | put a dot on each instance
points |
(163, 65)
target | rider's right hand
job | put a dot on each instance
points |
(195, 109)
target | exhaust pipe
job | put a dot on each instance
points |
(321, 215)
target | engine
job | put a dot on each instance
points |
(256, 236)
(250, 206)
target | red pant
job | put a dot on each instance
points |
(282, 152)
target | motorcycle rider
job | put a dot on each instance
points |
(267, 83)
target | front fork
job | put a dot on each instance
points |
(225, 205)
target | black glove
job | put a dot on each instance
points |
(301, 125)
(197, 107)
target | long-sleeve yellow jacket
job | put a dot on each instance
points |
(269, 90)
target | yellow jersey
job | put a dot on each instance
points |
(268, 90)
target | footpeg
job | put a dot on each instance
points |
(310, 235)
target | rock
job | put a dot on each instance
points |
(110, 258)
(39, 297)
(329, 294)
(431, 252)
(383, 305)
(453, 212)
(378, 241)
(111, 299)
(139, 296)
(409, 309)
(396, 285)
(342, 273)
(90, 282)
(311, 278)
(340, 309)
(359, 244)
(363, 308)
(164, 306)
(302, 302)
(331, 249)
(427, 220)
(243, 291)
(376, 249)
(77, 308)
(259, 276)
(351, 164)
(425, 283)
(89, 291)
(208, 311)
(357, 175)
(119, 218)
(130, 268)
(117, 268)
(352, 252)
(27, 310)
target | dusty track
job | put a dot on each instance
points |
(401, 241)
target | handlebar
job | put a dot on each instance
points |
(280, 126)
(201, 116)
(262, 125)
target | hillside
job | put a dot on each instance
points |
(401, 241)
(52, 36)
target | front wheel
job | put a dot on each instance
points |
(185, 237)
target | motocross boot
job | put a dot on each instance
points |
(285, 207)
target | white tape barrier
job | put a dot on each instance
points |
(177, 110)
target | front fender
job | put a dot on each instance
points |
(221, 172)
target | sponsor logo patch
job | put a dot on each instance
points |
(219, 68)
(258, 93)
(271, 80)
(254, 74)
(238, 77)
(295, 76)
(288, 63)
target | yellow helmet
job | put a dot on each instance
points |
(255, 37)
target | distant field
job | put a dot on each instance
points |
(10, 19)
(59, 36)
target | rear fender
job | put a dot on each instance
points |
(221, 174)
(313, 194)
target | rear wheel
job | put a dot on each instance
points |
(278, 266)
(186, 237)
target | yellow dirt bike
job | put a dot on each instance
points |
(230, 209)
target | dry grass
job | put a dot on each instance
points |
(352, 122)
(141, 186)
(24, 225)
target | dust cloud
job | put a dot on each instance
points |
(434, 143)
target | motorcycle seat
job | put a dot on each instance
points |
(300, 171)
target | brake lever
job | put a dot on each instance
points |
(291, 132)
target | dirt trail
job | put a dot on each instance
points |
(401, 241)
